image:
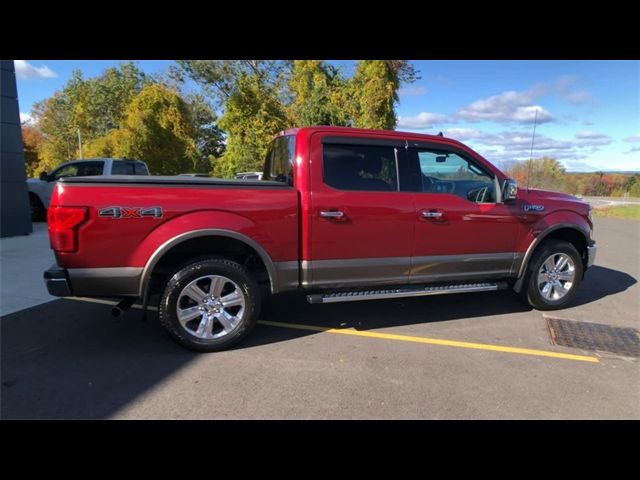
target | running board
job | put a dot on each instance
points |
(404, 292)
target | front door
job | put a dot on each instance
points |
(462, 233)
(361, 224)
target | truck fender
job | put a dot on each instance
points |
(543, 228)
(201, 224)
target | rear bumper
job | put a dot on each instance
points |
(57, 282)
(93, 282)
(591, 254)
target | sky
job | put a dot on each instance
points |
(586, 113)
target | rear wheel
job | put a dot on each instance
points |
(37, 209)
(210, 305)
(554, 274)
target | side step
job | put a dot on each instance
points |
(404, 292)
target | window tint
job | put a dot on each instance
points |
(279, 162)
(90, 169)
(360, 167)
(122, 168)
(448, 172)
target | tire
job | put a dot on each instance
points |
(560, 291)
(37, 209)
(180, 300)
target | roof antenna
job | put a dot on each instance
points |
(535, 122)
(440, 134)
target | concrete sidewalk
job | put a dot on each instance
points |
(22, 261)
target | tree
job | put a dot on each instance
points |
(317, 89)
(252, 115)
(32, 140)
(261, 97)
(157, 128)
(546, 173)
(209, 138)
(374, 92)
(95, 106)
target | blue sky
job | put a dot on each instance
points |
(588, 111)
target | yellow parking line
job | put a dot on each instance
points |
(435, 341)
(402, 338)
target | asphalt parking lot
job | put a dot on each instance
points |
(421, 358)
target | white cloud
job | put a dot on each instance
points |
(412, 91)
(25, 118)
(463, 134)
(422, 121)
(508, 107)
(25, 70)
(593, 138)
(506, 147)
(564, 88)
(633, 138)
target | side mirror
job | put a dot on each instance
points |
(44, 176)
(509, 190)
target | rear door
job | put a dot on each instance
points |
(462, 231)
(361, 224)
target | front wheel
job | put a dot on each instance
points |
(554, 275)
(210, 305)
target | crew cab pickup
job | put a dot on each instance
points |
(341, 214)
(40, 189)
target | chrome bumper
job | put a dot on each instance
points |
(591, 254)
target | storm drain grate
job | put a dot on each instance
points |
(595, 336)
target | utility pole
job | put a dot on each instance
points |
(80, 144)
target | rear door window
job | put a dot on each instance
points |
(360, 167)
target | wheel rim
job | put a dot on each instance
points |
(210, 307)
(556, 276)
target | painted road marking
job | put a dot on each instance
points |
(393, 336)
(435, 341)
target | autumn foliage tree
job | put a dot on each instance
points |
(157, 127)
(125, 113)
(261, 97)
(32, 140)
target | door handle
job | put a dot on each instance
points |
(426, 214)
(332, 214)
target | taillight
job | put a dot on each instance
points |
(63, 225)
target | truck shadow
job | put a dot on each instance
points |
(68, 359)
(293, 308)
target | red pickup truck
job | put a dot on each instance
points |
(343, 214)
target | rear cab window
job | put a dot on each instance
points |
(123, 167)
(278, 164)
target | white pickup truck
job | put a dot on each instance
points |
(40, 189)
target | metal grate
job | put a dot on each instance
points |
(595, 336)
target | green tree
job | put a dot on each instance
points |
(318, 91)
(373, 92)
(261, 97)
(95, 106)
(209, 138)
(252, 115)
(157, 128)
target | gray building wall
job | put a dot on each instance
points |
(15, 217)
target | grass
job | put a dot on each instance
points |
(620, 211)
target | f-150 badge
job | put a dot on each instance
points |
(534, 208)
(130, 212)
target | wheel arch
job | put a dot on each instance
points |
(569, 232)
(213, 233)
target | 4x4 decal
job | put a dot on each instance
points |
(130, 212)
